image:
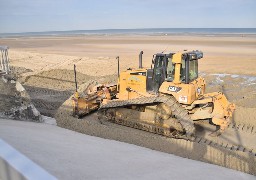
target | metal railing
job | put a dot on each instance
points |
(4, 60)
(14, 165)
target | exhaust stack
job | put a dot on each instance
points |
(118, 67)
(140, 59)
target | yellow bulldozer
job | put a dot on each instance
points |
(165, 99)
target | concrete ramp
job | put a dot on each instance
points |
(70, 155)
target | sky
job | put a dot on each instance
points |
(61, 15)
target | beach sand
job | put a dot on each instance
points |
(92, 54)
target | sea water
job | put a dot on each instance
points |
(144, 31)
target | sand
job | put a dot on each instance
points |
(92, 54)
(45, 67)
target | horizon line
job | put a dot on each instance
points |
(104, 29)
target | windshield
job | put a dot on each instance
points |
(167, 74)
(193, 70)
(171, 71)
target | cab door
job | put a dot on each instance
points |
(159, 72)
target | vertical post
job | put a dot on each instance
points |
(118, 73)
(187, 70)
(118, 67)
(2, 61)
(7, 61)
(165, 67)
(75, 76)
(140, 59)
(177, 60)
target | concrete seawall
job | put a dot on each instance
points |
(16, 166)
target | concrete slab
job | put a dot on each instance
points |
(70, 155)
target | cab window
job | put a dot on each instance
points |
(193, 70)
(171, 71)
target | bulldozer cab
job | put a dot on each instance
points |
(173, 68)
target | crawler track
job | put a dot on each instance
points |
(177, 110)
(237, 137)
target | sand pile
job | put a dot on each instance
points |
(240, 90)
(50, 89)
